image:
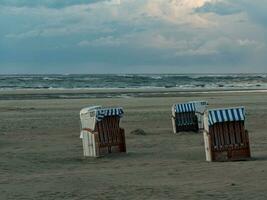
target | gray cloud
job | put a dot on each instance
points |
(220, 8)
(45, 3)
(131, 36)
(256, 10)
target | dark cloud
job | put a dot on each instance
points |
(45, 3)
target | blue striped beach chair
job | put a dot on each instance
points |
(101, 132)
(225, 136)
(185, 118)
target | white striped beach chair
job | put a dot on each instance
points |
(187, 117)
(100, 131)
(225, 136)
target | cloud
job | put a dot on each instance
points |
(177, 11)
(125, 33)
(219, 7)
(47, 22)
(108, 41)
(255, 10)
(46, 3)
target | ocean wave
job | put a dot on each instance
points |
(51, 79)
(180, 81)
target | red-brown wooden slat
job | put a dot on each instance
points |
(217, 137)
(231, 135)
(237, 133)
(243, 134)
(104, 131)
(222, 143)
(213, 137)
(98, 131)
(225, 135)
(107, 130)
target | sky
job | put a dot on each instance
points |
(133, 36)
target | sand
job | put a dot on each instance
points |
(41, 153)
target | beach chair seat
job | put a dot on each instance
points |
(185, 116)
(101, 132)
(225, 136)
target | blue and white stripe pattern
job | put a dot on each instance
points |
(106, 112)
(185, 107)
(226, 115)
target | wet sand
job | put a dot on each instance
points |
(41, 153)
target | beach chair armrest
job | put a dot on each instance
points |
(90, 130)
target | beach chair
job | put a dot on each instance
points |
(100, 131)
(225, 136)
(187, 116)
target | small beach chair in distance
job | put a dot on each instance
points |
(185, 116)
(101, 132)
(225, 136)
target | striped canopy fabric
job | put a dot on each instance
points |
(188, 107)
(185, 107)
(226, 115)
(107, 112)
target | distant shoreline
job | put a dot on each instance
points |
(31, 94)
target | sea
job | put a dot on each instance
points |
(127, 81)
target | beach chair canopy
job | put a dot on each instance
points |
(91, 115)
(191, 106)
(184, 107)
(226, 115)
(200, 106)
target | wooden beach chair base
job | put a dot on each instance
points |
(93, 147)
(227, 142)
(231, 155)
(107, 138)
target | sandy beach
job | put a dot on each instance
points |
(41, 153)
